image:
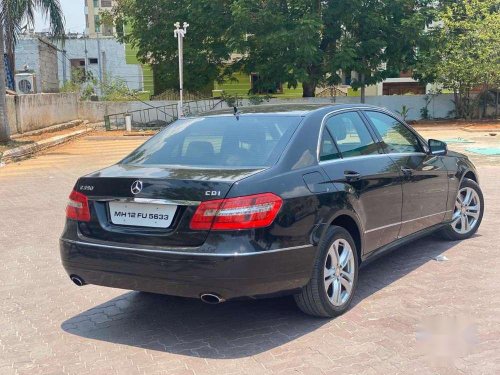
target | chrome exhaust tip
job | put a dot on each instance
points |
(77, 280)
(211, 299)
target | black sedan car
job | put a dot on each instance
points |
(267, 202)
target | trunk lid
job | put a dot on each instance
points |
(181, 189)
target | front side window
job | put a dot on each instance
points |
(218, 142)
(396, 137)
(351, 135)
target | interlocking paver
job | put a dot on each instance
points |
(411, 313)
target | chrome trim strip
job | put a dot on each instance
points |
(380, 228)
(424, 217)
(350, 109)
(321, 130)
(167, 252)
(326, 162)
(170, 202)
(406, 221)
(406, 153)
(360, 108)
(361, 157)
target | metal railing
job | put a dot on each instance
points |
(174, 95)
(158, 117)
(331, 92)
(194, 107)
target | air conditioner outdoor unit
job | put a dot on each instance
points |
(25, 83)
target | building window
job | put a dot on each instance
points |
(93, 61)
(106, 3)
(96, 3)
(97, 22)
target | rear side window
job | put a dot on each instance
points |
(396, 137)
(225, 141)
(351, 135)
(328, 150)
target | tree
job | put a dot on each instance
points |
(281, 40)
(284, 41)
(149, 27)
(19, 14)
(462, 51)
(311, 41)
(380, 38)
(4, 123)
(13, 13)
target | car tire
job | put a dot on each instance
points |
(460, 228)
(327, 295)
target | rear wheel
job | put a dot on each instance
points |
(467, 213)
(335, 276)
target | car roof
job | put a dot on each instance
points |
(283, 109)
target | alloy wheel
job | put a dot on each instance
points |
(467, 211)
(339, 272)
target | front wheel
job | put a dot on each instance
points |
(467, 213)
(335, 276)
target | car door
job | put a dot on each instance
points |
(368, 179)
(425, 177)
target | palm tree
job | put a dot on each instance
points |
(4, 122)
(13, 15)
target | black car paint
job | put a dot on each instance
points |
(384, 203)
(171, 183)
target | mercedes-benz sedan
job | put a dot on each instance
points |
(267, 202)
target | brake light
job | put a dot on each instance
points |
(78, 207)
(252, 211)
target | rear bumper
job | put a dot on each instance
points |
(188, 274)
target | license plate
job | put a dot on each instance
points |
(142, 214)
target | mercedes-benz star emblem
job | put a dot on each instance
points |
(136, 187)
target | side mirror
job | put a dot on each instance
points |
(438, 147)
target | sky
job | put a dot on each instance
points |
(74, 14)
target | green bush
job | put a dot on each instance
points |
(231, 100)
(405, 110)
(255, 99)
(258, 99)
(424, 113)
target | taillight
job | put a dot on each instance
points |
(252, 211)
(78, 207)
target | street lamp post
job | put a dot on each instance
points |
(179, 34)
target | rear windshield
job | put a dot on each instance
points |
(228, 141)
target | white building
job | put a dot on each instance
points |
(37, 55)
(93, 18)
(104, 58)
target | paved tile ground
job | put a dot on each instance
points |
(411, 314)
(473, 139)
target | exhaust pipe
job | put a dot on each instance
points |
(211, 298)
(77, 280)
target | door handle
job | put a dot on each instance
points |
(407, 171)
(352, 175)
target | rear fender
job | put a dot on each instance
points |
(322, 230)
